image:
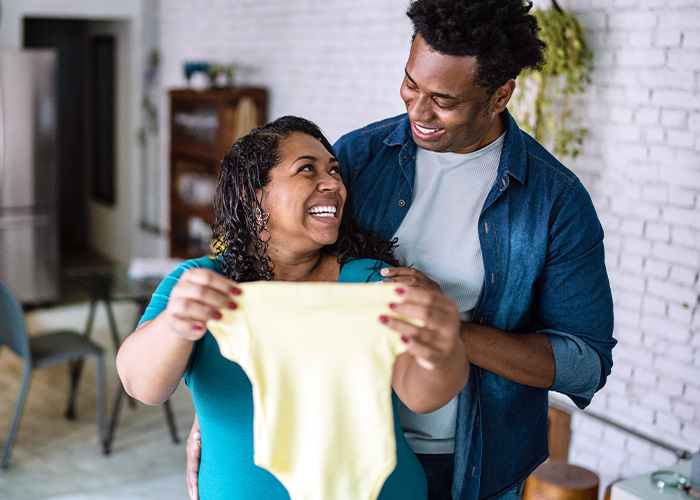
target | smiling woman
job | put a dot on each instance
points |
(282, 214)
(286, 174)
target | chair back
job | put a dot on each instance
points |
(13, 331)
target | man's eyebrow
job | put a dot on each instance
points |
(434, 94)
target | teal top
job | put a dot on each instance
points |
(223, 399)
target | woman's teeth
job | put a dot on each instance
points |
(424, 130)
(322, 211)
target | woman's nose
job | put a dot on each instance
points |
(329, 183)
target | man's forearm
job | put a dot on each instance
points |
(523, 358)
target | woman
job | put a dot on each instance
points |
(281, 215)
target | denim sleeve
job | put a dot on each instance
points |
(578, 367)
(576, 310)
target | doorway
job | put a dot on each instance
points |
(86, 117)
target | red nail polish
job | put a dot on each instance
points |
(400, 291)
(197, 327)
(383, 319)
(235, 290)
(404, 339)
(392, 306)
(217, 315)
(232, 305)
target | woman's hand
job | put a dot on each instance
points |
(432, 328)
(435, 366)
(195, 299)
(151, 360)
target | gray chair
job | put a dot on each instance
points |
(38, 351)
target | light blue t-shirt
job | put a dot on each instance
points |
(222, 396)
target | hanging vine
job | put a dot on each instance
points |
(542, 101)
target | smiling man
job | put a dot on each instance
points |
(503, 228)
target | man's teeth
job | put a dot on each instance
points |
(424, 130)
(323, 211)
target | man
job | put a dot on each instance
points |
(502, 227)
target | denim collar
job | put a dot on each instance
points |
(513, 157)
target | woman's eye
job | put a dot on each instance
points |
(335, 170)
(306, 168)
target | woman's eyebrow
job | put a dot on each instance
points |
(307, 158)
(313, 158)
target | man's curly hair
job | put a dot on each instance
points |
(499, 33)
(240, 241)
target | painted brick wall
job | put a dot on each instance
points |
(641, 163)
(340, 63)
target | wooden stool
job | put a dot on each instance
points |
(560, 480)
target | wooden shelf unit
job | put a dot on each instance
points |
(203, 127)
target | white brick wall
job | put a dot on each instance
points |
(340, 63)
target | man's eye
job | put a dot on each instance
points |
(444, 105)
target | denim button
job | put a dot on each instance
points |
(401, 203)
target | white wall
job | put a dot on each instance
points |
(340, 62)
(641, 163)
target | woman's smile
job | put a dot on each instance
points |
(325, 212)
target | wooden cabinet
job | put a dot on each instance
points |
(203, 127)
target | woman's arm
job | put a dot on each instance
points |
(152, 360)
(435, 367)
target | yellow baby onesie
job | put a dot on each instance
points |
(320, 364)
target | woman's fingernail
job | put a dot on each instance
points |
(400, 291)
(232, 305)
(383, 319)
(217, 315)
(385, 272)
(235, 290)
(197, 327)
(404, 339)
(392, 306)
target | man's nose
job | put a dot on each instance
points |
(421, 109)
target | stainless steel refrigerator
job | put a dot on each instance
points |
(29, 250)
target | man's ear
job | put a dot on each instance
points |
(502, 96)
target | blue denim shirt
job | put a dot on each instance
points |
(544, 271)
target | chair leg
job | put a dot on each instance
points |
(101, 402)
(109, 437)
(76, 368)
(170, 417)
(15, 419)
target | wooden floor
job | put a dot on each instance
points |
(54, 458)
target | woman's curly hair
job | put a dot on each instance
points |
(499, 33)
(240, 240)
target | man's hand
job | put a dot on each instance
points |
(194, 456)
(408, 276)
